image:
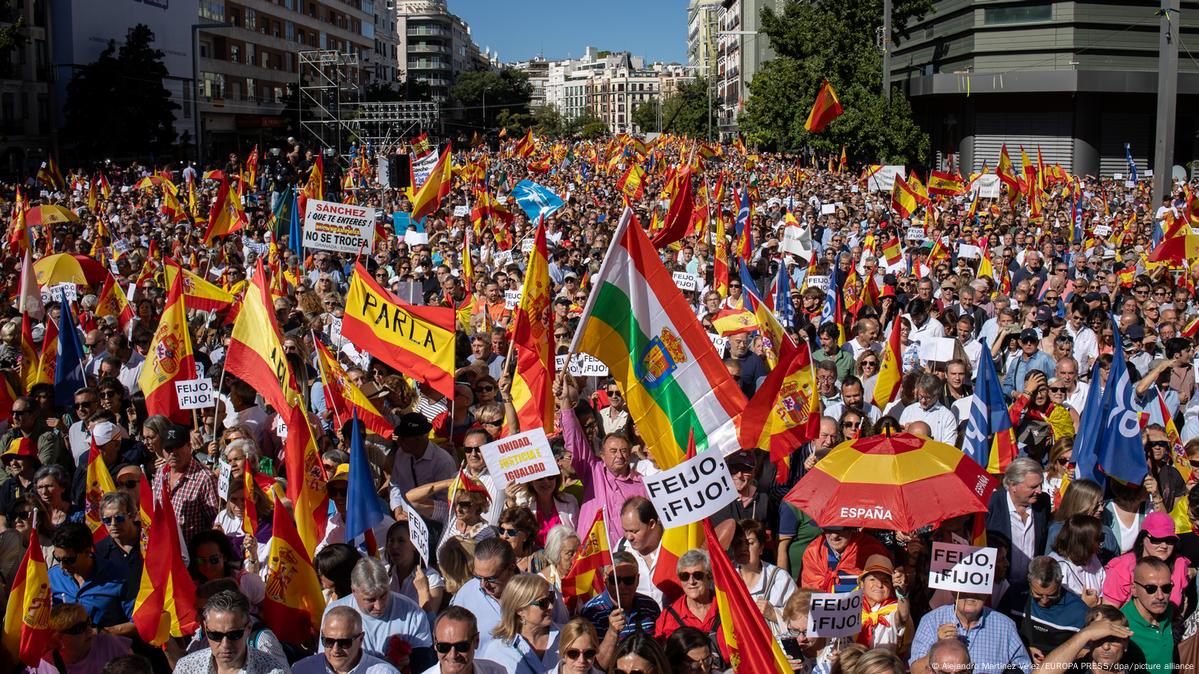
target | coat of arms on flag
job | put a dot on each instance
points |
(664, 353)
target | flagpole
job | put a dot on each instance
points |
(608, 539)
(325, 384)
(220, 385)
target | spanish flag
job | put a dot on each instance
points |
(436, 187)
(99, 483)
(31, 368)
(112, 302)
(165, 605)
(586, 576)
(49, 359)
(306, 478)
(249, 511)
(748, 642)
(825, 109)
(255, 354)
(524, 146)
(226, 215)
(632, 183)
(197, 292)
(904, 199)
(1006, 171)
(532, 327)
(315, 189)
(720, 256)
(678, 216)
(785, 412)
(945, 184)
(293, 603)
(730, 321)
(49, 174)
(418, 341)
(890, 372)
(27, 633)
(169, 360)
(345, 398)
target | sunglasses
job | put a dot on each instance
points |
(623, 580)
(77, 628)
(545, 603)
(510, 533)
(850, 424)
(688, 576)
(575, 654)
(129, 484)
(870, 363)
(559, 335)
(343, 644)
(1063, 461)
(613, 394)
(490, 422)
(335, 491)
(22, 515)
(445, 647)
(1157, 444)
(464, 505)
(488, 580)
(231, 635)
(473, 450)
(65, 561)
(1153, 589)
(485, 389)
(1167, 540)
(20, 413)
(115, 519)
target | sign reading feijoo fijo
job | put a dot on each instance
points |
(694, 489)
(962, 568)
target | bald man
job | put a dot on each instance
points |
(341, 636)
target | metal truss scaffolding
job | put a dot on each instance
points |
(382, 126)
(329, 85)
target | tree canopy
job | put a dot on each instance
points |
(508, 89)
(685, 112)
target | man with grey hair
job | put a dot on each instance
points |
(1046, 613)
(1019, 512)
(942, 422)
(388, 618)
(341, 638)
(226, 623)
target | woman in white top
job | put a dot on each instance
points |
(1125, 511)
(1076, 550)
(769, 585)
(525, 639)
(425, 586)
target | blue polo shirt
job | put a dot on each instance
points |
(107, 594)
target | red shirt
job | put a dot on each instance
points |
(679, 615)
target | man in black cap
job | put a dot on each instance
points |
(417, 461)
(1031, 358)
(191, 486)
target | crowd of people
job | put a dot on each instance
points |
(1088, 575)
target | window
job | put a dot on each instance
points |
(251, 19)
(251, 88)
(368, 31)
(289, 32)
(1022, 14)
(213, 10)
(234, 54)
(187, 102)
(213, 85)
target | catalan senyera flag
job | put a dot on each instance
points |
(825, 109)
(344, 397)
(637, 322)
(586, 576)
(197, 292)
(532, 327)
(165, 605)
(890, 371)
(99, 483)
(436, 187)
(293, 603)
(112, 302)
(904, 199)
(945, 184)
(226, 215)
(418, 341)
(27, 634)
(169, 360)
(632, 183)
(750, 645)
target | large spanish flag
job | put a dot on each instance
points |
(31, 361)
(255, 353)
(344, 397)
(418, 341)
(785, 412)
(943, 184)
(27, 634)
(306, 478)
(532, 327)
(99, 483)
(169, 360)
(197, 292)
(1005, 171)
(825, 109)
(638, 323)
(904, 199)
(436, 187)
(226, 215)
(165, 605)
(586, 576)
(890, 372)
(293, 603)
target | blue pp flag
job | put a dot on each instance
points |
(1086, 443)
(1132, 165)
(536, 200)
(747, 282)
(364, 510)
(782, 296)
(295, 233)
(742, 212)
(1121, 450)
(68, 366)
(988, 412)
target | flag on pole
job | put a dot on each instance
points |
(344, 397)
(988, 438)
(532, 327)
(197, 292)
(165, 604)
(436, 187)
(169, 359)
(1121, 450)
(293, 603)
(68, 366)
(99, 483)
(585, 579)
(363, 509)
(746, 640)
(825, 109)
(27, 633)
(890, 371)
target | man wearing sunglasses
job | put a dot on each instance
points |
(226, 623)
(123, 543)
(456, 639)
(341, 638)
(101, 586)
(637, 613)
(389, 619)
(26, 423)
(1150, 614)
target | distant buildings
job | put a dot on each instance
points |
(435, 45)
(741, 51)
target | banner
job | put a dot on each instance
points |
(520, 458)
(962, 568)
(883, 180)
(341, 228)
(691, 491)
(421, 168)
(835, 615)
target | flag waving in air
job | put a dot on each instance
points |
(436, 187)
(293, 603)
(27, 634)
(165, 605)
(825, 109)
(345, 398)
(169, 359)
(988, 438)
(532, 327)
(890, 372)
(99, 483)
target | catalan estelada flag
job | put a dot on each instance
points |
(345, 398)
(637, 322)
(825, 109)
(436, 187)
(586, 576)
(226, 215)
(99, 483)
(169, 360)
(197, 292)
(27, 634)
(746, 643)
(293, 603)
(890, 371)
(418, 341)
(532, 327)
(165, 605)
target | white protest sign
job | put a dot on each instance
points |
(828, 209)
(816, 281)
(520, 458)
(512, 298)
(502, 258)
(195, 394)
(223, 479)
(883, 179)
(342, 228)
(962, 568)
(795, 242)
(418, 532)
(693, 490)
(834, 615)
(582, 365)
(686, 281)
(986, 186)
(720, 342)
(335, 332)
(1103, 230)
(421, 168)
(280, 427)
(968, 251)
(916, 234)
(1118, 176)
(936, 349)
(57, 292)
(526, 245)
(461, 211)
(360, 358)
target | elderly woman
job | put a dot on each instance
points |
(561, 544)
(525, 640)
(50, 484)
(75, 645)
(153, 428)
(886, 619)
(697, 607)
(518, 526)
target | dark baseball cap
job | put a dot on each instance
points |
(174, 437)
(1029, 335)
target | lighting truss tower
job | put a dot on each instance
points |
(382, 126)
(330, 82)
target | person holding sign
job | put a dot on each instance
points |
(886, 618)
(990, 636)
(806, 654)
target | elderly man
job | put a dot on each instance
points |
(394, 627)
(226, 623)
(456, 639)
(631, 611)
(1150, 615)
(76, 645)
(121, 519)
(418, 460)
(341, 638)
(991, 637)
(942, 422)
(1019, 512)
(26, 423)
(949, 656)
(834, 561)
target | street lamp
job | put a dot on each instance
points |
(196, 28)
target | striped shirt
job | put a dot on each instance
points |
(643, 616)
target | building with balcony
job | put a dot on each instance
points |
(538, 72)
(27, 128)
(1076, 79)
(435, 45)
(703, 22)
(741, 51)
(384, 63)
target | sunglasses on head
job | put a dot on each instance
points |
(343, 644)
(445, 647)
(232, 635)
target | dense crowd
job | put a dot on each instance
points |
(1088, 574)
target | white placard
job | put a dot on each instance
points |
(195, 394)
(720, 342)
(520, 458)
(686, 281)
(835, 614)
(962, 568)
(1117, 176)
(58, 291)
(526, 245)
(1103, 230)
(360, 358)
(969, 252)
(512, 298)
(418, 532)
(335, 337)
(342, 228)
(421, 168)
(916, 234)
(461, 211)
(816, 281)
(693, 490)
(502, 258)
(1130, 183)
(224, 477)
(795, 243)
(986, 186)
(279, 427)
(828, 209)
(936, 349)
(582, 365)
(883, 179)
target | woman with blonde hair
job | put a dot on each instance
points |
(525, 639)
(578, 645)
(1061, 455)
(879, 661)
(1082, 497)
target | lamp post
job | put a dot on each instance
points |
(196, 28)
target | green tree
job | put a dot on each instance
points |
(517, 123)
(549, 122)
(645, 116)
(10, 32)
(833, 40)
(587, 120)
(509, 88)
(685, 112)
(117, 106)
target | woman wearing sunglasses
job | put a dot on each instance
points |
(526, 641)
(577, 648)
(1157, 539)
(640, 654)
(76, 646)
(212, 557)
(697, 607)
(518, 526)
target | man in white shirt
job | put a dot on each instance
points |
(1086, 345)
(942, 422)
(923, 326)
(417, 460)
(341, 638)
(642, 537)
(494, 565)
(388, 618)
(1066, 372)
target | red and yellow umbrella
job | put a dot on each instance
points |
(49, 215)
(900, 482)
(67, 268)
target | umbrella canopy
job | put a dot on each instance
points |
(66, 268)
(900, 482)
(49, 215)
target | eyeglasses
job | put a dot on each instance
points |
(870, 363)
(490, 422)
(485, 389)
(1063, 461)
(84, 403)
(688, 576)
(850, 424)
(510, 533)
(231, 635)
(65, 561)
(464, 504)
(115, 519)
(545, 603)
(77, 628)
(110, 394)
(734, 285)
(489, 580)
(211, 560)
(445, 647)
(20, 413)
(1153, 589)
(343, 644)
(623, 580)
(475, 450)
(129, 484)
(575, 654)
